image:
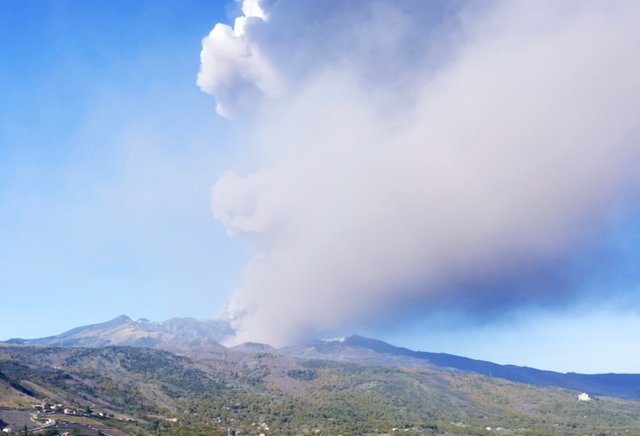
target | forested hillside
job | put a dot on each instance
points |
(142, 391)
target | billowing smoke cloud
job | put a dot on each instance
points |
(233, 67)
(414, 153)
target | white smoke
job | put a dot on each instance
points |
(407, 147)
(232, 66)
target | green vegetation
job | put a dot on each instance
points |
(146, 391)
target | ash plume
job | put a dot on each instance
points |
(410, 155)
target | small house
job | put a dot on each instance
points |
(584, 397)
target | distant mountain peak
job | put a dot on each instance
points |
(355, 340)
(338, 339)
(122, 319)
(254, 347)
(122, 330)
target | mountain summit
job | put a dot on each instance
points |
(122, 330)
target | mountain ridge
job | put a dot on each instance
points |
(611, 384)
(191, 337)
(122, 330)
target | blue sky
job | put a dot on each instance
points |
(107, 155)
(109, 151)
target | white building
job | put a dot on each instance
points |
(584, 397)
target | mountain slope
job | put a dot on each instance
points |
(358, 349)
(175, 332)
(200, 339)
(152, 391)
